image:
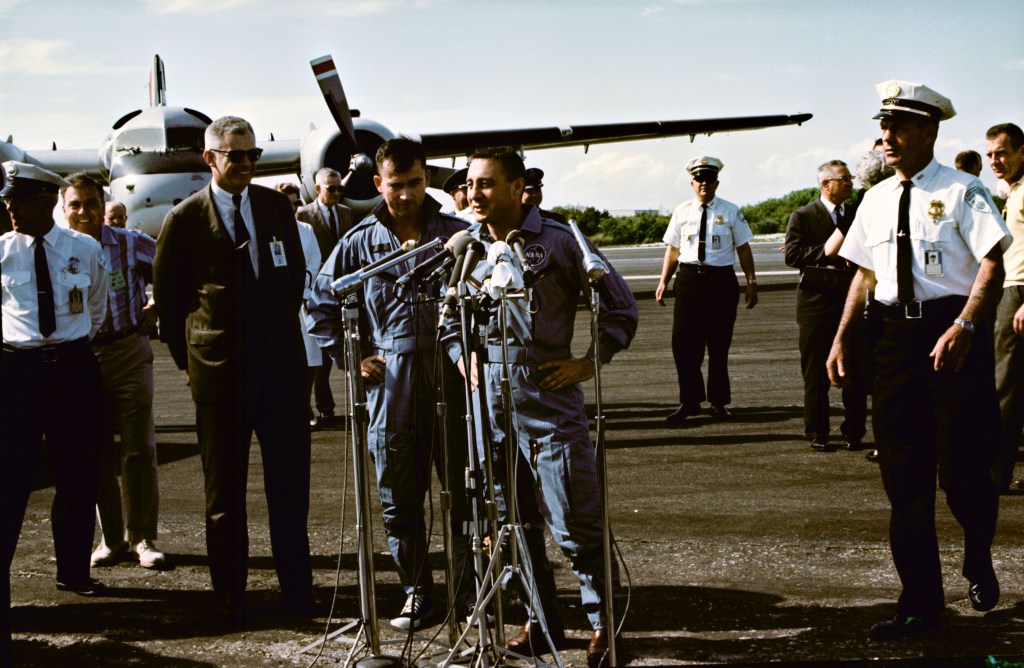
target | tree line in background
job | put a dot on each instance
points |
(767, 217)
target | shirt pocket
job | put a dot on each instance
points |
(20, 286)
(689, 233)
(879, 242)
(68, 282)
(933, 231)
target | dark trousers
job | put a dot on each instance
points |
(56, 394)
(705, 312)
(927, 422)
(1009, 384)
(815, 344)
(277, 413)
(322, 395)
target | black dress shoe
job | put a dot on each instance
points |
(313, 424)
(721, 412)
(853, 445)
(872, 456)
(821, 446)
(88, 587)
(679, 415)
(984, 594)
(903, 626)
(305, 608)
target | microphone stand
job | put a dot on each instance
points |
(496, 576)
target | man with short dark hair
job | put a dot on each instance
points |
(1004, 147)
(969, 162)
(557, 478)
(54, 293)
(126, 367)
(929, 243)
(228, 281)
(703, 237)
(819, 307)
(400, 368)
(533, 194)
(330, 221)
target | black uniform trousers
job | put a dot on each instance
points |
(53, 391)
(815, 344)
(927, 421)
(278, 416)
(704, 314)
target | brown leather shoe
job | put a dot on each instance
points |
(597, 648)
(530, 641)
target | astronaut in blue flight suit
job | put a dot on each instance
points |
(400, 358)
(556, 477)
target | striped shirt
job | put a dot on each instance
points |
(129, 255)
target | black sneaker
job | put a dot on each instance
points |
(414, 613)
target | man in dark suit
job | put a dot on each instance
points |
(330, 221)
(819, 308)
(228, 280)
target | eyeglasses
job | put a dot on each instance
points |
(236, 155)
(334, 190)
(705, 178)
(844, 179)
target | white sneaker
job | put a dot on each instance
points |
(108, 556)
(414, 613)
(148, 555)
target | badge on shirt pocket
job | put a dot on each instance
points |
(277, 253)
(75, 302)
(933, 263)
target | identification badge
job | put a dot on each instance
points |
(75, 301)
(716, 242)
(277, 253)
(933, 263)
(116, 279)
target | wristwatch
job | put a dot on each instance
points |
(965, 325)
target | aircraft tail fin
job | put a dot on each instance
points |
(157, 84)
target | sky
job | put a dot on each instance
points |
(70, 68)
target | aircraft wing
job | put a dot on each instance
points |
(280, 156)
(61, 161)
(449, 144)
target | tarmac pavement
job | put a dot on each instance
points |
(743, 545)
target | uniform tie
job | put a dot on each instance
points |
(334, 223)
(839, 214)
(702, 244)
(241, 233)
(904, 252)
(47, 316)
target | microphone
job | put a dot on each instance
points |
(465, 263)
(349, 283)
(454, 247)
(506, 274)
(592, 263)
(359, 164)
(517, 242)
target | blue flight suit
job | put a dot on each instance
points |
(553, 430)
(403, 433)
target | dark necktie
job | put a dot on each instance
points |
(839, 215)
(241, 232)
(47, 317)
(702, 244)
(334, 223)
(904, 252)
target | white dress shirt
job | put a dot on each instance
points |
(226, 209)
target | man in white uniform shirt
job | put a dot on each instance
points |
(53, 297)
(704, 237)
(929, 242)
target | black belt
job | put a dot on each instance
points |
(705, 268)
(915, 310)
(48, 354)
(115, 336)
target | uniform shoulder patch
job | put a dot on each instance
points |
(977, 198)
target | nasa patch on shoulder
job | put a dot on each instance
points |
(977, 198)
(535, 255)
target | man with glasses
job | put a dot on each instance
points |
(330, 221)
(228, 280)
(704, 235)
(819, 304)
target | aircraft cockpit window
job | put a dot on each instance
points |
(185, 139)
(146, 139)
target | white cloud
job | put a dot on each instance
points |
(47, 57)
(8, 5)
(1017, 65)
(651, 10)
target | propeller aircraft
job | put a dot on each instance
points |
(153, 157)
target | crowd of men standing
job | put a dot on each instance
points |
(915, 294)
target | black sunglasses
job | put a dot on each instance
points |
(705, 178)
(332, 189)
(236, 155)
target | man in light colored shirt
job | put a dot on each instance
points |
(1004, 147)
(126, 365)
(703, 238)
(53, 292)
